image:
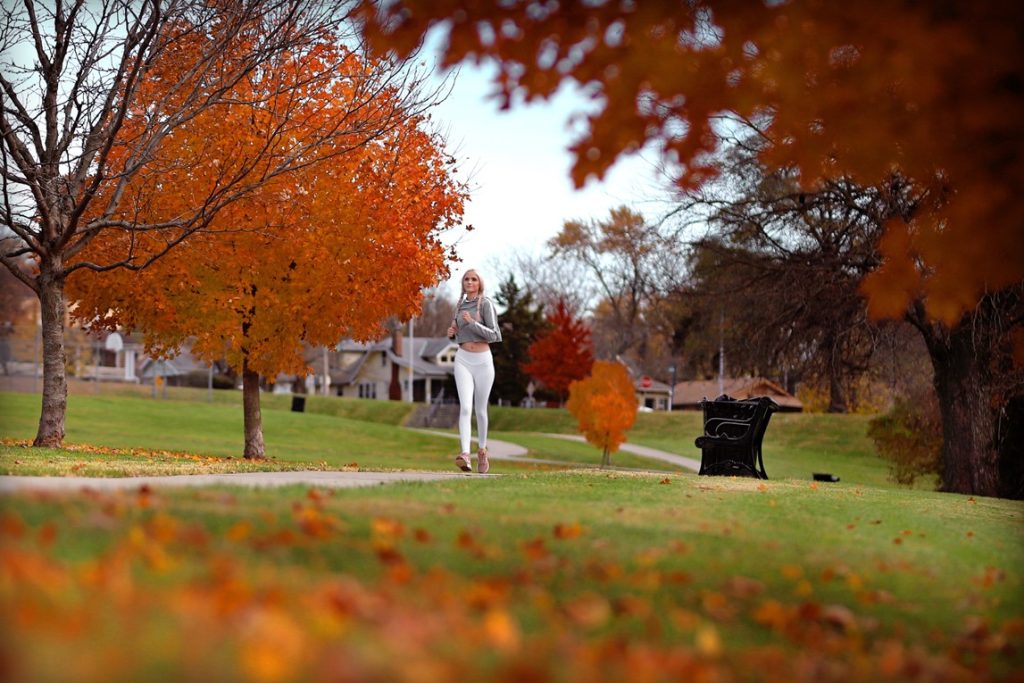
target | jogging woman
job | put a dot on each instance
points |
(474, 329)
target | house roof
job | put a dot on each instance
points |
(357, 346)
(691, 393)
(655, 388)
(182, 364)
(422, 348)
(434, 345)
(348, 373)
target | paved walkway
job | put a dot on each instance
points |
(11, 484)
(503, 450)
(497, 450)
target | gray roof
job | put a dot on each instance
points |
(352, 345)
(182, 364)
(423, 348)
(433, 346)
(348, 373)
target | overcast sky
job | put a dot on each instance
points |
(518, 163)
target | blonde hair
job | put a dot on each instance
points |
(479, 292)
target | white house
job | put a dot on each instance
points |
(382, 369)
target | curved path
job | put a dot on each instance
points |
(498, 450)
(11, 484)
(504, 450)
(645, 451)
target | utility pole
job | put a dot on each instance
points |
(721, 353)
(412, 340)
(327, 372)
(671, 387)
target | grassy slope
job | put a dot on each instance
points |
(215, 429)
(867, 584)
(862, 579)
(795, 445)
(338, 432)
(331, 433)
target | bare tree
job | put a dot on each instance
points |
(436, 314)
(787, 266)
(632, 262)
(76, 129)
(550, 279)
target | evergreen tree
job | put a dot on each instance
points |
(521, 322)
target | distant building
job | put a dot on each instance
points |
(381, 370)
(688, 395)
(651, 394)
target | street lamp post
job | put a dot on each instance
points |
(671, 387)
(412, 357)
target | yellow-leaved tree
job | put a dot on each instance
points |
(605, 406)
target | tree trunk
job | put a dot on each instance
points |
(605, 459)
(962, 360)
(836, 391)
(836, 396)
(963, 384)
(55, 384)
(254, 448)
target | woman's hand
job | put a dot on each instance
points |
(452, 331)
(466, 317)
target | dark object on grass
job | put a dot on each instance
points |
(298, 403)
(825, 476)
(733, 431)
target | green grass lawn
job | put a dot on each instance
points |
(585, 576)
(316, 440)
(533, 576)
(336, 432)
(332, 433)
(795, 444)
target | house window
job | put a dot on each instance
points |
(367, 390)
(383, 359)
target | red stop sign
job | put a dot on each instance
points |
(646, 382)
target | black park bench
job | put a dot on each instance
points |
(733, 430)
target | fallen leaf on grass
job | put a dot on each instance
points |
(12, 525)
(272, 646)
(708, 642)
(989, 577)
(717, 606)
(535, 549)
(502, 630)
(568, 531)
(588, 610)
(743, 587)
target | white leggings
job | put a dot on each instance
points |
(474, 375)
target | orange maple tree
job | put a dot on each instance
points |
(605, 406)
(327, 251)
(561, 354)
(932, 91)
(102, 104)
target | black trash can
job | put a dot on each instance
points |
(298, 404)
